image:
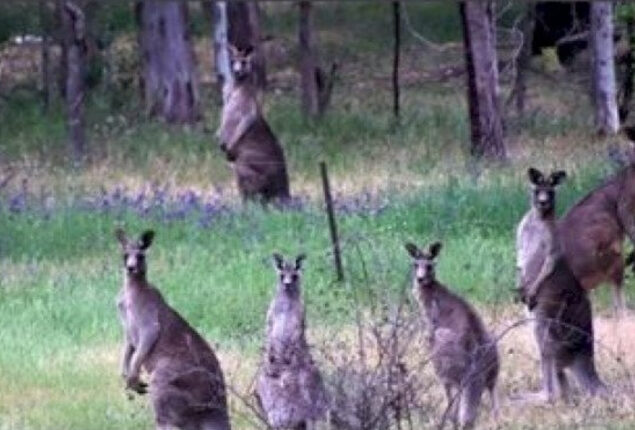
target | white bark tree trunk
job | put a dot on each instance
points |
(479, 40)
(603, 79)
(169, 69)
(221, 40)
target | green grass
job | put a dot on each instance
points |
(61, 274)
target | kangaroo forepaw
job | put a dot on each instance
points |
(136, 385)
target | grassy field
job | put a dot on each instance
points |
(60, 266)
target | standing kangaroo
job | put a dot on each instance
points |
(289, 386)
(186, 387)
(463, 354)
(560, 306)
(250, 146)
(592, 232)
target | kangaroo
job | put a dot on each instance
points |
(187, 387)
(536, 249)
(592, 233)
(290, 389)
(464, 356)
(250, 146)
(561, 309)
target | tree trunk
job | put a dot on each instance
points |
(524, 58)
(603, 79)
(217, 11)
(244, 31)
(396, 10)
(45, 53)
(307, 63)
(316, 86)
(60, 36)
(73, 28)
(170, 84)
(629, 66)
(482, 79)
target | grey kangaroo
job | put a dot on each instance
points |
(289, 386)
(464, 356)
(187, 387)
(592, 232)
(250, 146)
(563, 320)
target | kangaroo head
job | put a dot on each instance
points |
(423, 263)
(241, 62)
(543, 189)
(289, 273)
(134, 251)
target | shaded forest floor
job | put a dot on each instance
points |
(60, 265)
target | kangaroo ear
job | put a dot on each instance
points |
(278, 261)
(413, 250)
(298, 261)
(434, 249)
(535, 176)
(248, 50)
(121, 236)
(557, 177)
(146, 239)
(232, 50)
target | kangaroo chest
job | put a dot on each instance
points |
(236, 104)
(126, 312)
(287, 322)
(532, 247)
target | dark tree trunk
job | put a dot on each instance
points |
(482, 79)
(524, 57)
(316, 86)
(629, 69)
(396, 10)
(60, 36)
(45, 52)
(73, 28)
(169, 81)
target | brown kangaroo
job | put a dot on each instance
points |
(592, 233)
(252, 149)
(187, 387)
(289, 386)
(559, 305)
(463, 354)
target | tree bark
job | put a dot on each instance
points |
(396, 10)
(524, 58)
(217, 12)
(316, 86)
(170, 84)
(74, 31)
(60, 36)
(309, 95)
(603, 79)
(629, 66)
(45, 53)
(482, 79)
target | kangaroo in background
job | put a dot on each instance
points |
(289, 388)
(463, 354)
(563, 320)
(592, 232)
(252, 149)
(187, 387)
